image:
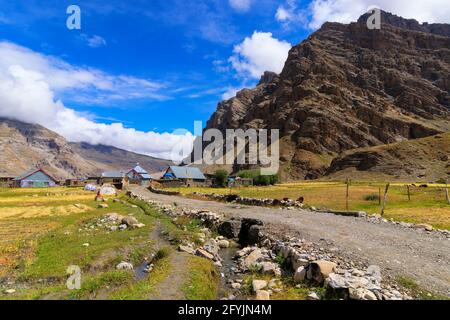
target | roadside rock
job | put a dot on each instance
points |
(318, 271)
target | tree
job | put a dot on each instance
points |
(220, 178)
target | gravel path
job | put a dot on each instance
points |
(398, 251)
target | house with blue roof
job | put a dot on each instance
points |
(189, 176)
(139, 176)
(35, 178)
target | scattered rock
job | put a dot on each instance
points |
(318, 271)
(313, 296)
(103, 206)
(186, 249)
(224, 244)
(300, 274)
(124, 266)
(130, 221)
(258, 285)
(204, 254)
(252, 259)
(236, 285)
(361, 294)
(262, 295)
(10, 291)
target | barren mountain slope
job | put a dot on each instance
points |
(348, 87)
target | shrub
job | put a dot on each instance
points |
(258, 179)
(220, 178)
(372, 197)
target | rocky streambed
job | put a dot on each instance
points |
(255, 264)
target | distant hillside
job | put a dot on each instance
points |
(117, 158)
(426, 159)
(23, 146)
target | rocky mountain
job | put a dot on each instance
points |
(23, 146)
(426, 159)
(348, 87)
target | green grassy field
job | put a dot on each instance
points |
(426, 205)
(43, 231)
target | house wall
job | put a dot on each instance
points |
(37, 180)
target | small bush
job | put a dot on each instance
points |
(372, 197)
(162, 253)
(220, 178)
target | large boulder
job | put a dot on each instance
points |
(108, 190)
(252, 259)
(244, 236)
(318, 271)
(230, 229)
(259, 285)
(130, 221)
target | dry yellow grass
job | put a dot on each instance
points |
(26, 214)
(41, 211)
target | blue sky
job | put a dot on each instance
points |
(175, 43)
(137, 70)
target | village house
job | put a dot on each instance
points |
(6, 180)
(36, 178)
(112, 177)
(188, 176)
(138, 176)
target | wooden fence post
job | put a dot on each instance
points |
(347, 194)
(385, 199)
(409, 193)
(446, 192)
(379, 196)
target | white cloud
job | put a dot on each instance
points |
(240, 5)
(283, 14)
(346, 11)
(230, 93)
(259, 53)
(28, 85)
(84, 85)
(94, 41)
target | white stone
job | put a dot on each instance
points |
(124, 266)
(300, 274)
(262, 295)
(259, 285)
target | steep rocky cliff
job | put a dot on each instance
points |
(348, 87)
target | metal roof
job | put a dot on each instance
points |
(140, 170)
(112, 174)
(187, 173)
(31, 172)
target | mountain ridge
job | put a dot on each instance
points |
(24, 146)
(347, 87)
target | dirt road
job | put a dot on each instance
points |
(398, 251)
